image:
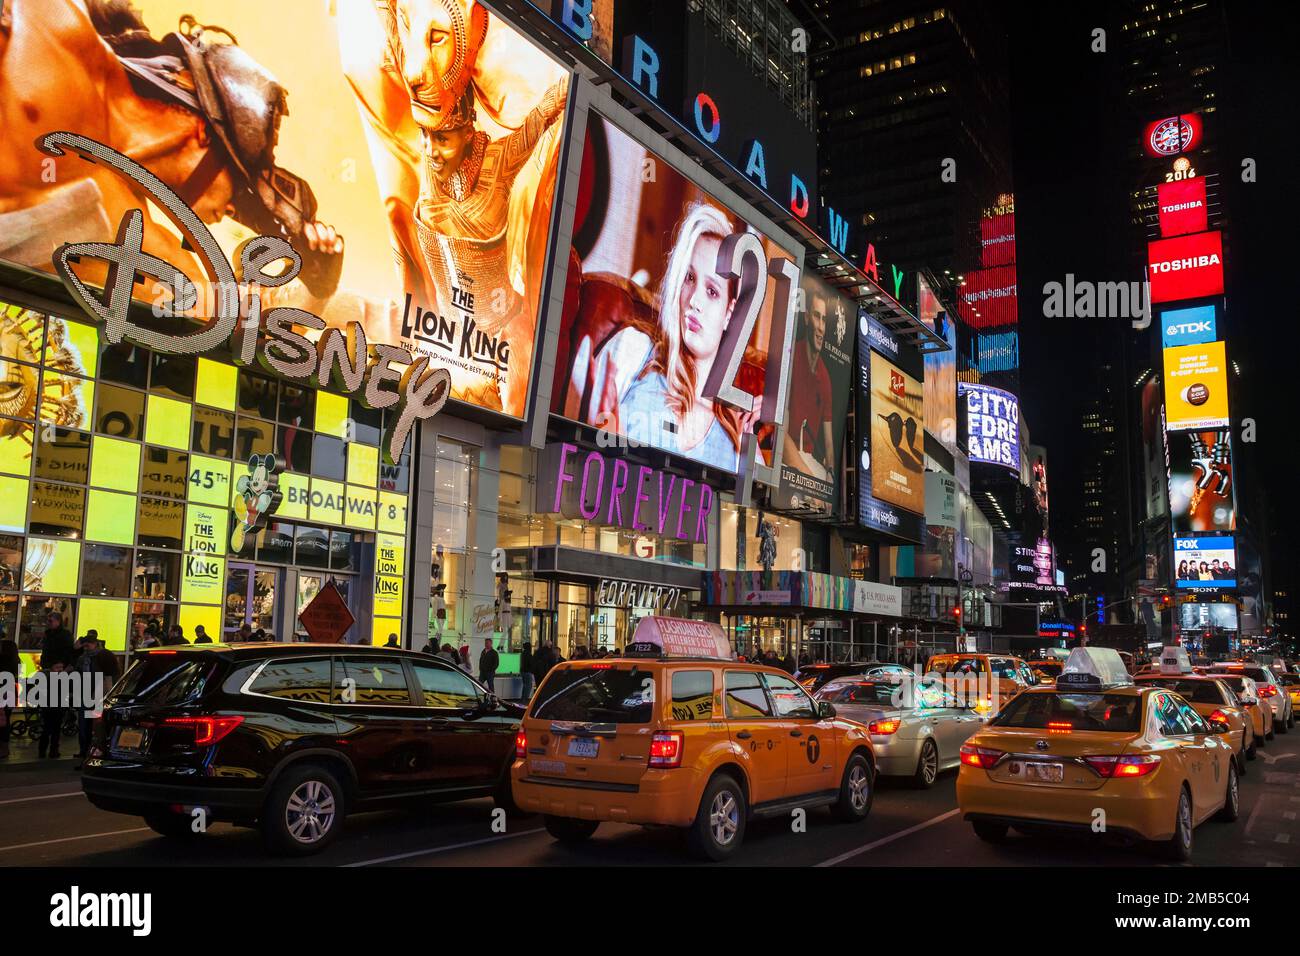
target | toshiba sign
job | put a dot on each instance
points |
(1182, 207)
(1188, 267)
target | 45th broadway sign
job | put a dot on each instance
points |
(380, 376)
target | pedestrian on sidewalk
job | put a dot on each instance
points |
(94, 659)
(488, 662)
(9, 664)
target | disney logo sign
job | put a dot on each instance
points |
(380, 376)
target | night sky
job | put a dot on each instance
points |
(1071, 133)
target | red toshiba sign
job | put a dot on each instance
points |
(1182, 207)
(1187, 267)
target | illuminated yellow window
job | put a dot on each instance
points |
(114, 463)
(360, 508)
(110, 517)
(167, 422)
(206, 528)
(203, 579)
(66, 399)
(209, 480)
(383, 627)
(52, 566)
(363, 464)
(72, 347)
(388, 596)
(392, 512)
(326, 501)
(16, 447)
(293, 491)
(215, 386)
(331, 414)
(390, 554)
(108, 618)
(13, 504)
(192, 615)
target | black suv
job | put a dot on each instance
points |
(291, 737)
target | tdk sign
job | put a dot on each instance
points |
(1188, 326)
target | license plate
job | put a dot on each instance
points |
(1045, 772)
(584, 747)
(129, 739)
(554, 768)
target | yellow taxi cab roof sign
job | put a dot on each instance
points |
(1174, 660)
(680, 637)
(1094, 667)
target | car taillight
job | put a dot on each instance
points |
(1267, 690)
(521, 744)
(1130, 765)
(884, 727)
(981, 757)
(207, 730)
(666, 749)
(1219, 716)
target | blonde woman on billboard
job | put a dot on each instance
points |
(664, 405)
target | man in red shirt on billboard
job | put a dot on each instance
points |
(808, 442)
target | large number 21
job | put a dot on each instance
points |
(741, 258)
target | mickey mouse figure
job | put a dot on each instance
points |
(259, 497)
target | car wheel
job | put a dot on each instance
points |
(719, 826)
(304, 812)
(927, 766)
(856, 791)
(1179, 847)
(570, 830)
(176, 825)
(1231, 798)
(990, 832)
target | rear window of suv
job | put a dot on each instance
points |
(1192, 691)
(1113, 713)
(598, 695)
(163, 679)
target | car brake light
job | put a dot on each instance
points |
(1130, 765)
(1219, 716)
(884, 727)
(666, 749)
(521, 744)
(1267, 690)
(207, 730)
(979, 756)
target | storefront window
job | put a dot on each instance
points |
(789, 540)
(106, 571)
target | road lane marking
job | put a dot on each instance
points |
(833, 861)
(444, 849)
(88, 836)
(48, 796)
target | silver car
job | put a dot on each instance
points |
(1270, 690)
(916, 729)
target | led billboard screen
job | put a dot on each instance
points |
(891, 401)
(940, 369)
(1200, 482)
(1182, 206)
(1188, 267)
(988, 297)
(1194, 326)
(992, 425)
(1172, 135)
(661, 342)
(415, 173)
(1204, 562)
(1196, 386)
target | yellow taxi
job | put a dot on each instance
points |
(1098, 753)
(678, 733)
(1208, 696)
(990, 680)
(1247, 693)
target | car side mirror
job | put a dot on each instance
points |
(825, 709)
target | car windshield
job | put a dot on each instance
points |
(1048, 668)
(1114, 713)
(1192, 691)
(957, 665)
(601, 695)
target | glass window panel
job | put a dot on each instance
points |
(21, 333)
(110, 517)
(363, 464)
(367, 423)
(156, 576)
(215, 384)
(297, 406)
(174, 375)
(167, 422)
(35, 614)
(14, 495)
(165, 472)
(254, 437)
(275, 543)
(57, 510)
(311, 547)
(343, 546)
(395, 478)
(16, 440)
(125, 364)
(66, 457)
(258, 395)
(327, 458)
(293, 445)
(9, 614)
(11, 563)
(162, 523)
(331, 414)
(115, 463)
(119, 412)
(449, 526)
(213, 433)
(106, 571)
(51, 566)
(71, 347)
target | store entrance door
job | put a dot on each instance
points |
(250, 598)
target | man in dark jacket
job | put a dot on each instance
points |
(58, 654)
(488, 662)
(94, 659)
